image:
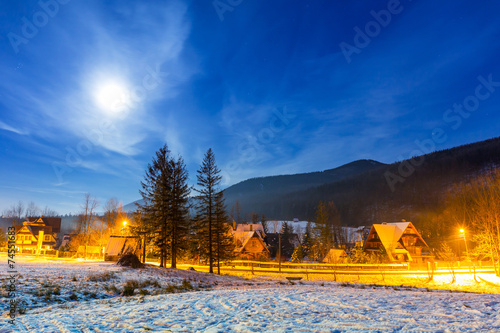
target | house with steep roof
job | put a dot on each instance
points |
(37, 235)
(400, 240)
(249, 239)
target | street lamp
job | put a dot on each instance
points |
(279, 250)
(124, 229)
(462, 231)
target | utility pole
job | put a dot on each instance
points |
(279, 250)
(144, 248)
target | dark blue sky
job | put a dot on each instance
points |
(89, 90)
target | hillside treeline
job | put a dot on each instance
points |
(420, 187)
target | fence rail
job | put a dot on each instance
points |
(266, 267)
(316, 266)
(258, 267)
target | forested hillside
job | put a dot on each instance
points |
(409, 189)
(252, 193)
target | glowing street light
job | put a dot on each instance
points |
(462, 231)
(124, 229)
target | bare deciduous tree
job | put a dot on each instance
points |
(47, 212)
(114, 215)
(87, 218)
(32, 210)
(476, 208)
(16, 211)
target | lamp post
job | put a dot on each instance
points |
(279, 250)
(124, 229)
(462, 231)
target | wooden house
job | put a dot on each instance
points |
(400, 240)
(249, 240)
(37, 235)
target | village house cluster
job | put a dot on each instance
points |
(398, 241)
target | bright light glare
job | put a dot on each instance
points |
(124, 223)
(462, 231)
(112, 97)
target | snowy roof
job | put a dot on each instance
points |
(34, 229)
(274, 226)
(119, 244)
(390, 234)
(54, 222)
(245, 236)
(243, 229)
(334, 255)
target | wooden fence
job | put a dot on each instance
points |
(259, 267)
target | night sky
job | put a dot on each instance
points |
(89, 90)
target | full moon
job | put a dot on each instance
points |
(112, 97)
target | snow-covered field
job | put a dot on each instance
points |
(186, 301)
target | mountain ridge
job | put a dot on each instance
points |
(307, 180)
(360, 189)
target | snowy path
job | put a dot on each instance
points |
(300, 308)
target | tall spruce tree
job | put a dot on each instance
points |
(333, 218)
(323, 230)
(179, 209)
(156, 188)
(287, 236)
(224, 243)
(165, 193)
(211, 222)
(263, 221)
(308, 239)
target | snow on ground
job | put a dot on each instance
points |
(232, 304)
(299, 308)
(43, 282)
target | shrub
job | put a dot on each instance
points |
(129, 288)
(130, 260)
(170, 289)
(111, 288)
(147, 283)
(102, 277)
(186, 285)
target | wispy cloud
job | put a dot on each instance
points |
(6, 127)
(58, 101)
